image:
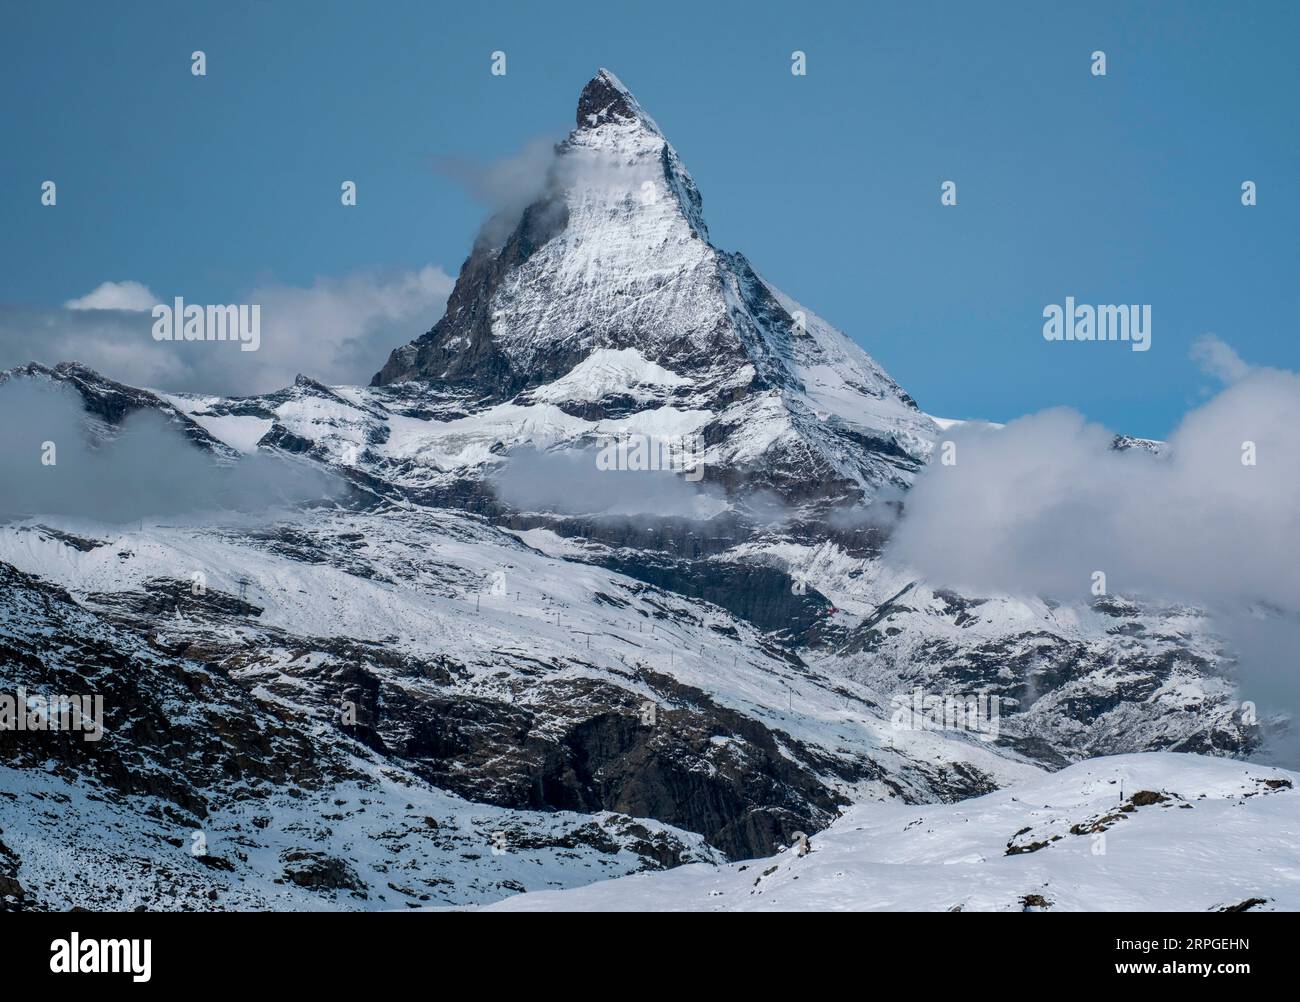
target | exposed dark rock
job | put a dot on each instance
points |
(320, 872)
(12, 895)
(1244, 906)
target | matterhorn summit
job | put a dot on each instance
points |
(615, 257)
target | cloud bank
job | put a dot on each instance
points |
(147, 469)
(337, 330)
(569, 482)
(1041, 505)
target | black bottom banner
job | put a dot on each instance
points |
(140, 951)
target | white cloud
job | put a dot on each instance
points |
(1039, 506)
(340, 330)
(115, 296)
(571, 482)
(1218, 359)
(337, 330)
(147, 469)
(506, 186)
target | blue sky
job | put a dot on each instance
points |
(1121, 189)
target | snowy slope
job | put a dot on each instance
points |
(1088, 838)
(424, 586)
(377, 841)
(1074, 679)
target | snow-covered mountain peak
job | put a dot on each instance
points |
(618, 162)
(606, 99)
(614, 262)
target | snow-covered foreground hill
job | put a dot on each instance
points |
(373, 676)
(1149, 832)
